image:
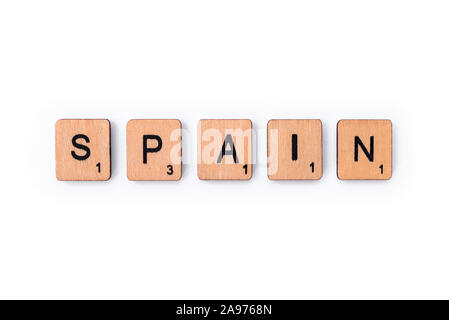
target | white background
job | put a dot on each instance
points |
(224, 59)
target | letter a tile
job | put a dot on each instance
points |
(225, 149)
(83, 149)
(364, 149)
(294, 149)
(154, 150)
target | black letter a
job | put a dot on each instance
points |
(224, 152)
(369, 155)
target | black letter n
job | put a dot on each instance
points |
(358, 143)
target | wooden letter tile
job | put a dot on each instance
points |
(225, 149)
(294, 149)
(154, 150)
(83, 149)
(364, 149)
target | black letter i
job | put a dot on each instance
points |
(294, 147)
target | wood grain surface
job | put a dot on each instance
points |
(373, 163)
(163, 149)
(295, 149)
(213, 164)
(83, 149)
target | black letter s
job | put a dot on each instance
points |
(81, 146)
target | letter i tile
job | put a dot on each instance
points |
(295, 149)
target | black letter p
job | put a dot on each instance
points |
(147, 150)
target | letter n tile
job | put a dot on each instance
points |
(364, 149)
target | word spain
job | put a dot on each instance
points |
(154, 149)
